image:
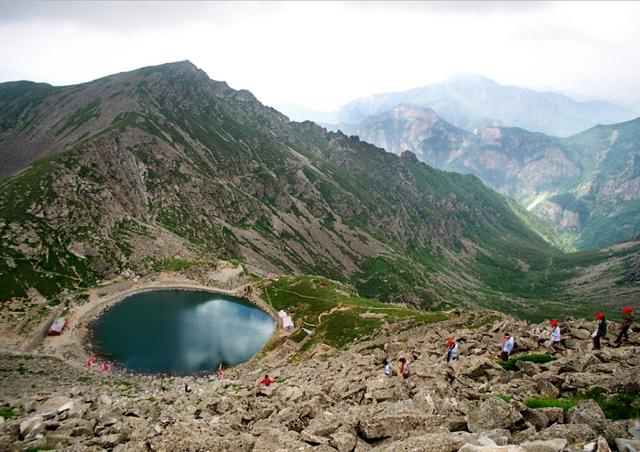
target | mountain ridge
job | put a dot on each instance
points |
(161, 168)
(472, 101)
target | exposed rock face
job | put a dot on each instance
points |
(583, 184)
(588, 412)
(493, 413)
(327, 399)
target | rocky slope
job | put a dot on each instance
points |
(586, 185)
(474, 102)
(164, 168)
(331, 399)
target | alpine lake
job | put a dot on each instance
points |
(180, 332)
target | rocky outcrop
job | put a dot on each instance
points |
(333, 399)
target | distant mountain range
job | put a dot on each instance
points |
(474, 102)
(163, 168)
(587, 185)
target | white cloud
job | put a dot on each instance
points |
(323, 54)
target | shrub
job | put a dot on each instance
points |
(534, 358)
(6, 413)
(623, 405)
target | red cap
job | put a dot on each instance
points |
(554, 323)
(599, 316)
(627, 310)
(449, 342)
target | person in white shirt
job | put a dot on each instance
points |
(554, 337)
(507, 346)
(388, 368)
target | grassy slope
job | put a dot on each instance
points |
(336, 316)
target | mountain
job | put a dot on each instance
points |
(163, 168)
(473, 102)
(586, 184)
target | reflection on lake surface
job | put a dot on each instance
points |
(181, 331)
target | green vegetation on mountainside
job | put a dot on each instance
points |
(510, 364)
(622, 405)
(190, 170)
(333, 315)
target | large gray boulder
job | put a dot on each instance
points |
(588, 412)
(475, 367)
(537, 418)
(573, 433)
(30, 427)
(493, 413)
(550, 445)
(390, 424)
(628, 445)
(555, 415)
(343, 440)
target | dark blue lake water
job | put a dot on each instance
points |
(181, 331)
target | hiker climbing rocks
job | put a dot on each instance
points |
(187, 387)
(452, 350)
(601, 330)
(554, 337)
(507, 346)
(220, 372)
(267, 381)
(625, 326)
(405, 368)
(388, 367)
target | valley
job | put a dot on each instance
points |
(585, 185)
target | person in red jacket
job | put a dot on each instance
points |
(405, 369)
(625, 325)
(267, 381)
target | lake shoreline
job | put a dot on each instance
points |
(74, 345)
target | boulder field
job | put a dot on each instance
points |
(328, 399)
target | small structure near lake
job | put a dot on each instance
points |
(57, 327)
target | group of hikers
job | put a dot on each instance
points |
(624, 329)
(404, 370)
(509, 343)
(555, 337)
(92, 360)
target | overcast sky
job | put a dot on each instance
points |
(321, 55)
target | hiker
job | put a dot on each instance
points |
(91, 361)
(267, 381)
(452, 350)
(220, 372)
(388, 367)
(601, 330)
(625, 326)
(106, 366)
(187, 387)
(507, 346)
(405, 368)
(554, 337)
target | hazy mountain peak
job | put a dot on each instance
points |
(472, 101)
(471, 78)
